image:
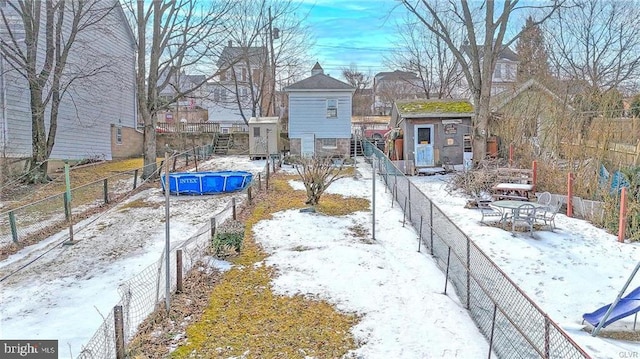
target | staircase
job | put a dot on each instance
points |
(356, 147)
(221, 143)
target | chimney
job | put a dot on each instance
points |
(230, 43)
(317, 69)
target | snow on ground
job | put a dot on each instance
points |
(64, 294)
(396, 290)
(571, 271)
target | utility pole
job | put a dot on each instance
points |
(272, 59)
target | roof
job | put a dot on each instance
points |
(319, 82)
(231, 54)
(502, 99)
(370, 119)
(396, 75)
(256, 120)
(505, 54)
(316, 66)
(434, 108)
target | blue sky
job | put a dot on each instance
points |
(351, 31)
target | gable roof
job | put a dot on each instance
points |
(233, 54)
(502, 99)
(396, 75)
(505, 54)
(426, 108)
(319, 82)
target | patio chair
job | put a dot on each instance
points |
(487, 210)
(524, 214)
(544, 198)
(548, 214)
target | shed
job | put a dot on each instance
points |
(436, 131)
(264, 136)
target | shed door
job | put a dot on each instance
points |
(424, 145)
(308, 145)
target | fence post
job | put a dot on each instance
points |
(249, 193)
(431, 224)
(409, 197)
(511, 155)
(273, 165)
(175, 160)
(179, 271)
(14, 229)
(135, 179)
(186, 158)
(259, 181)
(105, 191)
(195, 157)
(119, 328)
(468, 273)
(493, 328)
(622, 224)
(373, 200)
(569, 194)
(446, 276)
(546, 337)
(266, 181)
(420, 235)
(213, 227)
(233, 204)
(534, 179)
(404, 212)
(67, 210)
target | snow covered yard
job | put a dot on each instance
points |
(568, 272)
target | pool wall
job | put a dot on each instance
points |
(198, 183)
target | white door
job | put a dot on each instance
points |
(423, 135)
(308, 145)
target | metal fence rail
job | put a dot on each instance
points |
(514, 325)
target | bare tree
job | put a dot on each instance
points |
(597, 42)
(362, 98)
(486, 37)
(429, 57)
(271, 43)
(173, 36)
(45, 64)
(317, 173)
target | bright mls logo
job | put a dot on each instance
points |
(32, 349)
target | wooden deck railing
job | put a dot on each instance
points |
(202, 127)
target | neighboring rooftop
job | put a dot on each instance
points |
(231, 54)
(434, 107)
(319, 81)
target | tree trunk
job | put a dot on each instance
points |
(149, 148)
(38, 164)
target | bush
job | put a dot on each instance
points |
(229, 236)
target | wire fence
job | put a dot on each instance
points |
(141, 295)
(514, 325)
(35, 221)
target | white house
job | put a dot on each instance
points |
(395, 85)
(504, 75)
(242, 74)
(320, 115)
(92, 104)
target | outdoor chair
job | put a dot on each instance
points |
(544, 198)
(548, 214)
(486, 210)
(525, 215)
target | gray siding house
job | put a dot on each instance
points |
(320, 115)
(91, 106)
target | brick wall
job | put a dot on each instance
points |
(131, 144)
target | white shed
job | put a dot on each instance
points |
(264, 136)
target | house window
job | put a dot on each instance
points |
(244, 74)
(119, 135)
(332, 108)
(223, 95)
(256, 132)
(245, 93)
(225, 130)
(329, 142)
(223, 76)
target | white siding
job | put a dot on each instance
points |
(308, 114)
(92, 104)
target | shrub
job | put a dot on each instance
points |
(229, 236)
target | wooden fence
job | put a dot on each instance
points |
(200, 127)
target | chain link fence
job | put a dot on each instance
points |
(141, 295)
(514, 325)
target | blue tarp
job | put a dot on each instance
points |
(617, 180)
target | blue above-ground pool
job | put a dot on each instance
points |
(207, 182)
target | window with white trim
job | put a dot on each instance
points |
(332, 108)
(329, 142)
(119, 135)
